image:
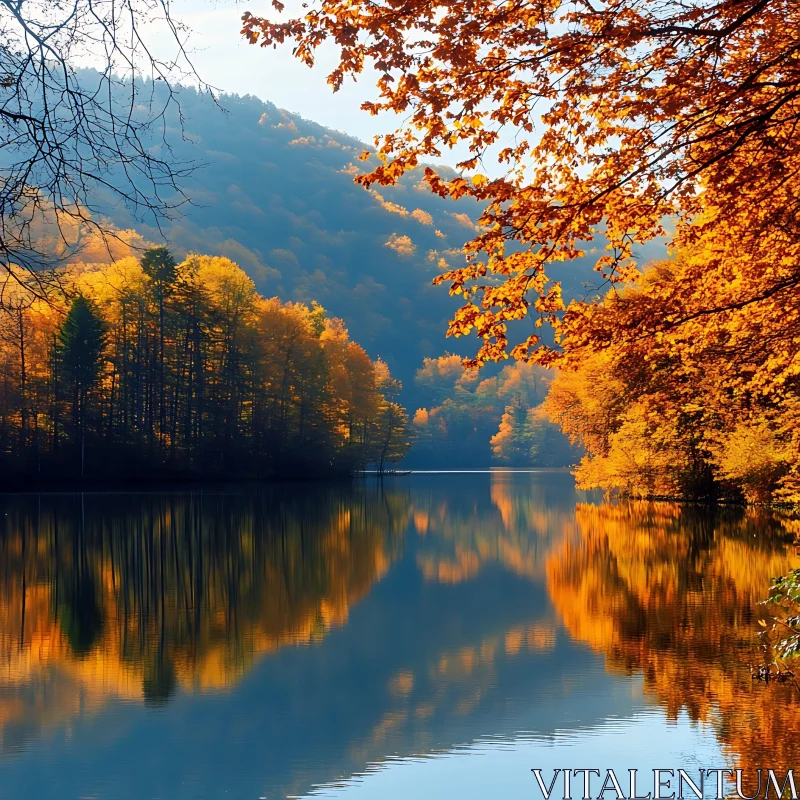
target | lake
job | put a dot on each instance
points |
(429, 636)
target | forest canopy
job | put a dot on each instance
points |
(147, 368)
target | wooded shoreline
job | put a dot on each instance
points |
(150, 369)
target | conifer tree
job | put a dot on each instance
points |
(81, 340)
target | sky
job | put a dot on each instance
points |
(225, 60)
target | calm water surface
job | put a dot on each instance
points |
(437, 636)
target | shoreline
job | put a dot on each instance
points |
(27, 484)
(729, 503)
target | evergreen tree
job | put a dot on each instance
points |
(159, 265)
(81, 340)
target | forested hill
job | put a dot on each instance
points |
(276, 195)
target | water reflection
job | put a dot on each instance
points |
(524, 518)
(672, 593)
(137, 596)
(266, 642)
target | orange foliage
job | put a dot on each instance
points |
(626, 115)
(197, 374)
(670, 400)
(674, 595)
(467, 413)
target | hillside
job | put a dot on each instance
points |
(275, 193)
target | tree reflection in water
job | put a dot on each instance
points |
(133, 596)
(140, 598)
(673, 593)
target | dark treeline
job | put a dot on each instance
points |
(152, 369)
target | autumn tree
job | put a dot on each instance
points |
(391, 435)
(160, 369)
(17, 299)
(620, 123)
(158, 264)
(476, 417)
(703, 409)
(521, 435)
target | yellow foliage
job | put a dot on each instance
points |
(753, 456)
(196, 374)
(657, 119)
(669, 394)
